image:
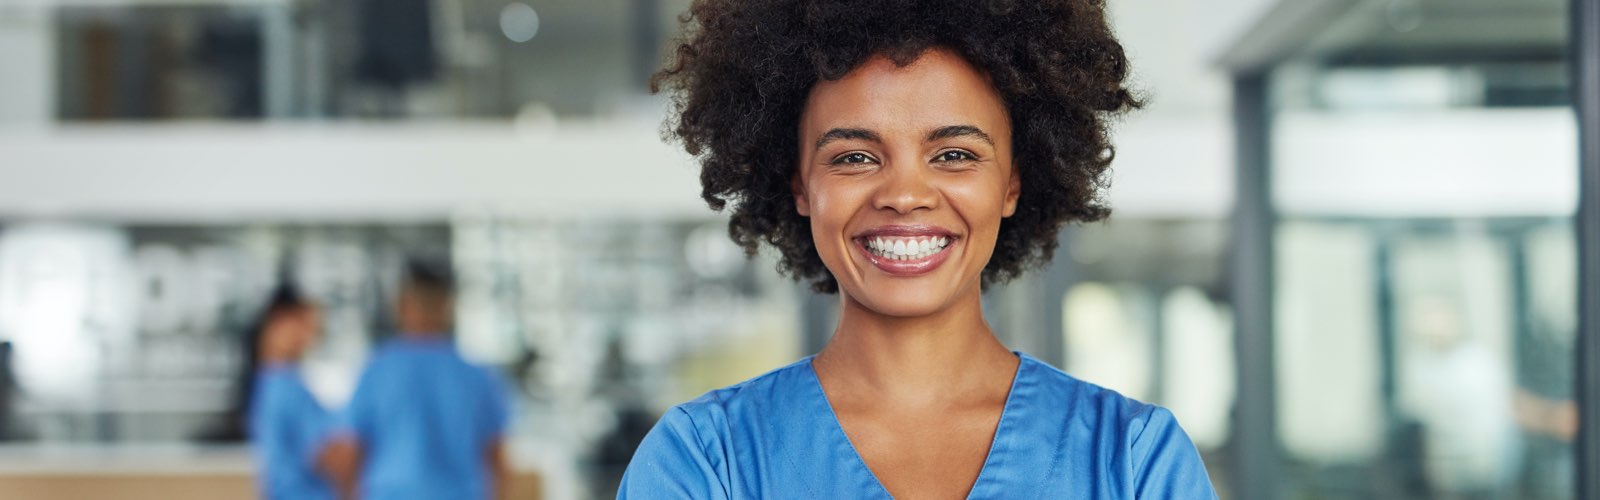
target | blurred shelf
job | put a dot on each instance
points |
(327, 172)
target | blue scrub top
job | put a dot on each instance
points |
(288, 429)
(425, 419)
(776, 436)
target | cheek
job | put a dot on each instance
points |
(831, 205)
(981, 203)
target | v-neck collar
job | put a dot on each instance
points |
(999, 444)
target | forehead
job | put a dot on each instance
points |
(939, 88)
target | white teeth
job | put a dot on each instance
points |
(906, 248)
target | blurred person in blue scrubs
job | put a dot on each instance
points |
(301, 454)
(429, 424)
(905, 155)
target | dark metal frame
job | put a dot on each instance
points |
(1585, 50)
(1255, 437)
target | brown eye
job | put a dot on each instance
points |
(852, 158)
(954, 155)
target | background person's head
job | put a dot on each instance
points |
(289, 327)
(426, 303)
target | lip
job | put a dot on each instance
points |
(906, 268)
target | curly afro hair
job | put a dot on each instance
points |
(741, 73)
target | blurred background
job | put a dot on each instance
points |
(1373, 199)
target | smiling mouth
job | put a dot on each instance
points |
(905, 248)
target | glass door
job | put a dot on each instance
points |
(1423, 191)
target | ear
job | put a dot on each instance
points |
(802, 202)
(1013, 191)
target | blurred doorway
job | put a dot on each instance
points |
(1406, 262)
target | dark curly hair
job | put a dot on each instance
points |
(742, 71)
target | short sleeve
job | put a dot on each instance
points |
(671, 463)
(496, 418)
(1166, 464)
(358, 415)
(288, 426)
(318, 429)
(267, 409)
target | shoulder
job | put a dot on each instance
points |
(385, 354)
(280, 382)
(274, 387)
(1161, 460)
(490, 381)
(708, 417)
(1085, 399)
(386, 367)
(685, 452)
(1099, 410)
(750, 397)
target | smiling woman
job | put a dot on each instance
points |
(905, 154)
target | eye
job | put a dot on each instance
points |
(852, 158)
(954, 155)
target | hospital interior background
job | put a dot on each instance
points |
(165, 163)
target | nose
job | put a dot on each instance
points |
(906, 188)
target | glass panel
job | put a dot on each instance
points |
(1108, 337)
(1424, 300)
(1329, 403)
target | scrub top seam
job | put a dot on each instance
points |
(694, 426)
(855, 455)
(1000, 443)
(1148, 412)
(788, 458)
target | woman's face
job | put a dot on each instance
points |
(290, 333)
(905, 173)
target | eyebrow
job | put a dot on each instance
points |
(950, 131)
(839, 134)
(945, 132)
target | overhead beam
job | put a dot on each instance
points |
(1280, 32)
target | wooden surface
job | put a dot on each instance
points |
(153, 472)
(165, 486)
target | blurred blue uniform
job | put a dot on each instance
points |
(426, 419)
(288, 429)
(775, 436)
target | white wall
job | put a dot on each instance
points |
(224, 172)
(1447, 163)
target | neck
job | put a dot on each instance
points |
(916, 360)
(422, 333)
(277, 360)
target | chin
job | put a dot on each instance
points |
(904, 298)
